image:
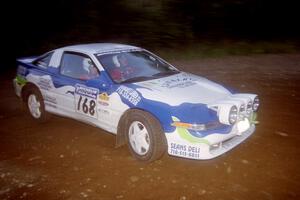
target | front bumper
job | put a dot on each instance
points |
(227, 145)
(208, 147)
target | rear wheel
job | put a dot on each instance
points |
(35, 104)
(145, 136)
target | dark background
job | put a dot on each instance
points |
(33, 27)
(52, 161)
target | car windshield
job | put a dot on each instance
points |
(134, 66)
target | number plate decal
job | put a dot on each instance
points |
(85, 100)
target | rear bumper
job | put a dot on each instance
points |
(17, 87)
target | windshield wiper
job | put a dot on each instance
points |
(137, 79)
(166, 73)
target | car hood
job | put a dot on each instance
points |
(182, 88)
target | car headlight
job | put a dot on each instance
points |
(249, 105)
(242, 108)
(228, 114)
(255, 104)
(233, 115)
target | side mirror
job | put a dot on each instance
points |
(97, 83)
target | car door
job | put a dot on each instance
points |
(75, 98)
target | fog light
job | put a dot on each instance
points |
(233, 114)
(255, 104)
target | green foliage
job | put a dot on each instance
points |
(197, 28)
(206, 49)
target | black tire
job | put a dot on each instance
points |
(33, 94)
(154, 139)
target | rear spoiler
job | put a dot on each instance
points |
(27, 59)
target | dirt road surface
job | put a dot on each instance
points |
(66, 159)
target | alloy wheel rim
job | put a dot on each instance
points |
(139, 138)
(34, 106)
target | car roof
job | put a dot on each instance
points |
(95, 48)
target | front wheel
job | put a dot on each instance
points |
(145, 136)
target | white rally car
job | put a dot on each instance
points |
(139, 97)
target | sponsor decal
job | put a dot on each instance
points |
(130, 94)
(179, 82)
(103, 103)
(85, 100)
(103, 111)
(50, 99)
(70, 92)
(118, 51)
(104, 96)
(183, 150)
(189, 148)
(86, 91)
(45, 84)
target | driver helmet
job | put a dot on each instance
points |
(86, 64)
(120, 60)
(116, 61)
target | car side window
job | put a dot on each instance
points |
(78, 66)
(43, 61)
